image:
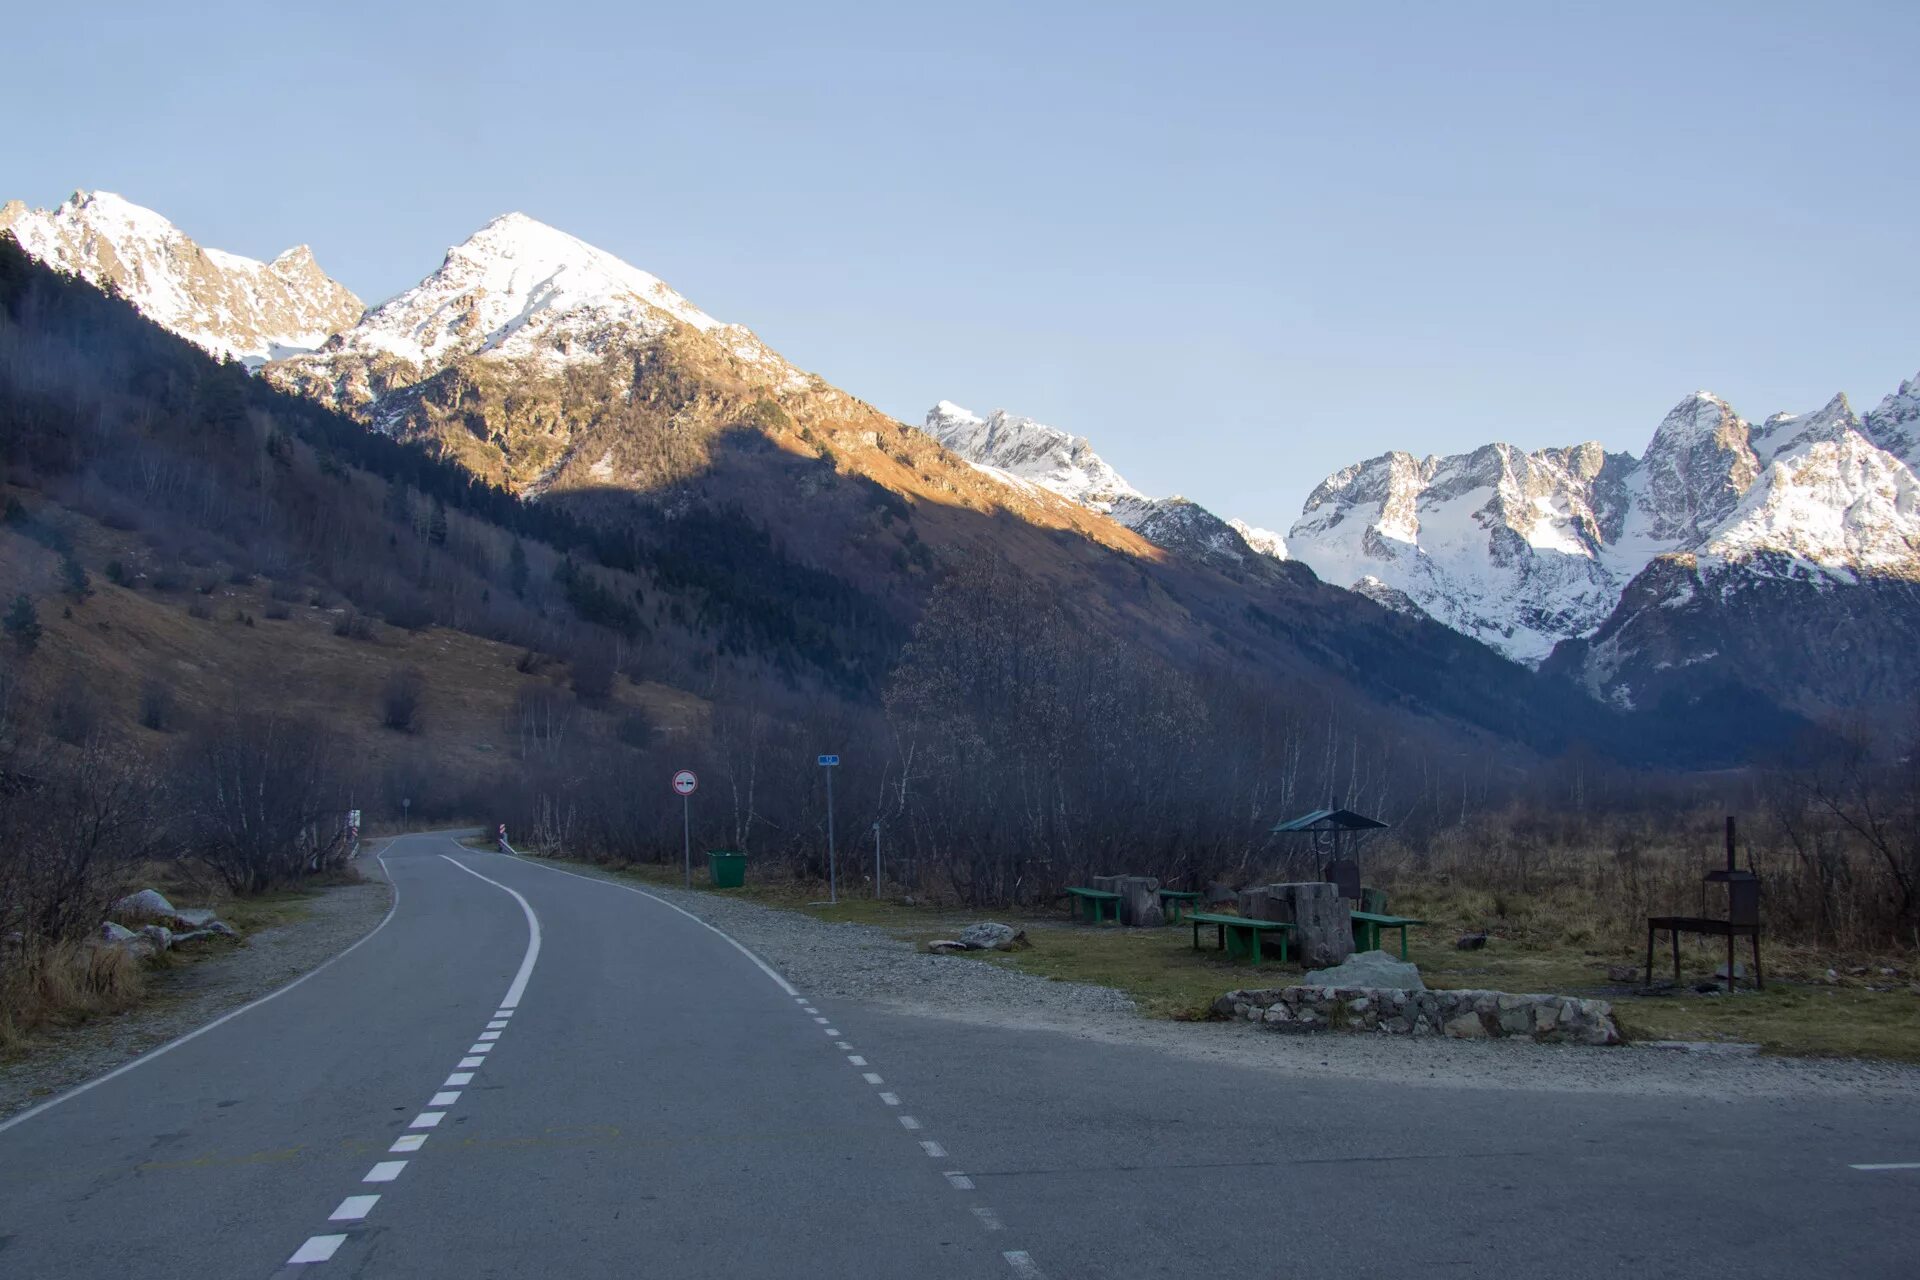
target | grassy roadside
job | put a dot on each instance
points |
(1537, 944)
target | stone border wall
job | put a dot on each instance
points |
(1462, 1015)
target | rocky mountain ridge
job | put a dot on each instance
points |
(228, 305)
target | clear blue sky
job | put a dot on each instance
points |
(1238, 246)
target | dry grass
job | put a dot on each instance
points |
(63, 985)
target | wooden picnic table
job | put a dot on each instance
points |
(1171, 900)
(1368, 924)
(1240, 935)
(1097, 902)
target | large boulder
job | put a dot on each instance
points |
(148, 904)
(1368, 970)
(1139, 899)
(111, 932)
(989, 936)
(1322, 926)
(159, 935)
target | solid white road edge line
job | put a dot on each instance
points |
(222, 1020)
(737, 945)
(532, 957)
(1879, 1168)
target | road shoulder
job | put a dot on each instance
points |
(184, 999)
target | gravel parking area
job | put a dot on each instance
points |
(186, 998)
(869, 965)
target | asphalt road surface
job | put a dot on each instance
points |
(525, 1073)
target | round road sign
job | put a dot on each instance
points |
(684, 782)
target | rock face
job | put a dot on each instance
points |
(1369, 969)
(1592, 552)
(1458, 1015)
(1322, 926)
(1139, 899)
(229, 305)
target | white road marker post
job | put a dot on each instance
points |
(685, 784)
(829, 763)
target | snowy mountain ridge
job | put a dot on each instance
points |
(230, 306)
(520, 291)
(1524, 550)
(1023, 451)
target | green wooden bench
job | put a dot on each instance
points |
(1368, 924)
(1098, 902)
(1240, 935)
(1172, 900)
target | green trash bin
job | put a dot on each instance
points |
(727, 868)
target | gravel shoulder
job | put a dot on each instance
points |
(870, 966)
(181, 1000)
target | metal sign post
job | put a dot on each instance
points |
(833, 883)
(876, 860)
(684, 785)
(406, 815)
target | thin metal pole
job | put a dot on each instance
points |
(686, 836)
(876, 860)
(833, 882)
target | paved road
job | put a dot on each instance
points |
(539, 1075)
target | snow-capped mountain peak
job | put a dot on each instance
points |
(231, 306)
(519, 286)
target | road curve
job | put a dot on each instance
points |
(529, 1073)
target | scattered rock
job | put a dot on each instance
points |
(946, 946)
(1707, 988)
(1623, 973)
(991, 936)
(1369, 969)
(148, 904)
(1739, 970)
(111, 932)
(1470, 942)
(1857, 971)
(194, 917)
(1466, 1026)
(159, 935)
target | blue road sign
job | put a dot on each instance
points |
(829, 761)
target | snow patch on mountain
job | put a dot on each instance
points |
(1264, 541)
(230, 306)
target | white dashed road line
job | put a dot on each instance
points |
(321, 1248)
(1022, 1265)
(1883, 1168)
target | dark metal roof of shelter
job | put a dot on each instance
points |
(1329, 820)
